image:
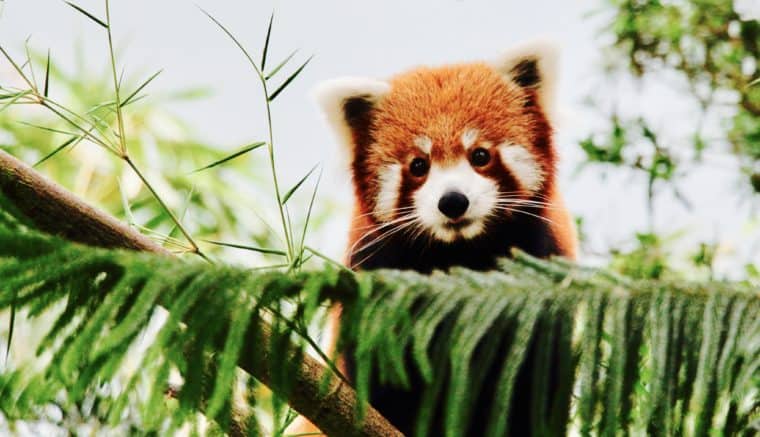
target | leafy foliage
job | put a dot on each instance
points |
(202, 200)
(587, 349)
(705, 56)
(714, 49)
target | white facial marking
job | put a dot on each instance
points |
(469, 136)
(424, 143)
(522, 165)
(389, 180)
(481, 192)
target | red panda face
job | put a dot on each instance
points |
(444, 152)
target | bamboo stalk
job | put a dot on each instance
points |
(55, 210)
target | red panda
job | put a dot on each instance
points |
(451, 166)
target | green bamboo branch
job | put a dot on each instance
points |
(270, 130)
(76, 120)
(166, 208)
(116, 87)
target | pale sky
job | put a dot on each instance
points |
(380, 38)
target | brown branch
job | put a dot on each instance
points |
(57, 211)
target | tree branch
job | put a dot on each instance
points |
(57, 211)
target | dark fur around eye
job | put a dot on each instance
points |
(480, 157)
(419, 167)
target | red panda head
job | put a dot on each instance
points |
(445, 151)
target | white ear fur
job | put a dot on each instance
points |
(545, 54)
(332, 95)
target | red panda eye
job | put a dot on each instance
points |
(480, 157)
(419, 167)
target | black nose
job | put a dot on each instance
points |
(453, 204)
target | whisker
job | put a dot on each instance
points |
(382, 225)
(523, 195)
(404, 214)
(526, 203)
(375, 229)
(501, 208)
(395, 210)
(536, 202)
(385, 236)
(521, 198)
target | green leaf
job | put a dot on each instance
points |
(45, 128)
(58, 149)
(289, 80)
(125, 204)
(235, 40)
(244, 247)
(121, 78)
(240, 152)
(129, 99)
(11, 327)
(14, 99)
(88, 15)
(47, 76)
(266, 43)
(755, 82)
(308, 212)
(292, 191)
(188, 201)
(101, 105)
(19, 70)
(280, 65)
(29, 62)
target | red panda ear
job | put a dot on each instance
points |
(348, 104)
(532, 65)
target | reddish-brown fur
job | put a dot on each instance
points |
(441, 103)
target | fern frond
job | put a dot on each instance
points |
(549, 345)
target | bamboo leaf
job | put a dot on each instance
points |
(29, 62)
(111, 104)
(19, 70)
(280, 65)
(125, 204)
(87, 14)
(11, 328)
(15, 99)
(289, 80)
(188, 200)
(240, 152)
(266, 43)
(308, 212)
(121, 78)
(251, 248)
(235, 40)
(135, 100)
(128, 100)
(57, 149)
(47, 76)
(48, 129)
(101, 105)
(295, 187)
